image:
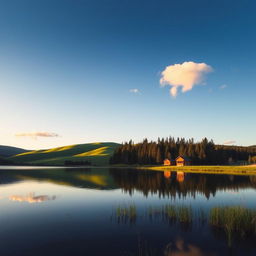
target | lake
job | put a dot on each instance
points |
(79, 211)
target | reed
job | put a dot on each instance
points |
(184, 214)
(236, 221)
(124, 213)
(181, 214)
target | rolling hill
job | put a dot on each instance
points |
(7, 151)
(96, 153)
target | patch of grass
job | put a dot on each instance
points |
(235, 170)
(95, 153)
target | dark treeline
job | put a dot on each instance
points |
(204, 152)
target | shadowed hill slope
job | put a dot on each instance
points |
(95, 153)
(7, 151)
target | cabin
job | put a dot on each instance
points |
(182, 161)
(168, 162)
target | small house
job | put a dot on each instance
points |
(169, 162)
(182, 161)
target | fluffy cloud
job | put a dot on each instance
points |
(135, 90)
(35, 135)
(185, 75)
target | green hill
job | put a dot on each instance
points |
(7, 151)
(96, 153)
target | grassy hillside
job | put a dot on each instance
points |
(96, 153)
(7, 151)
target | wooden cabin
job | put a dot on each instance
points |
(168, 162)
(182, 161)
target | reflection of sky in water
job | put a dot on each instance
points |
(81, 217)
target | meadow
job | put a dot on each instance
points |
(210, 169)
(95, 153)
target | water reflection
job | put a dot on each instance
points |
(179, 184)
(167, 174)
(31, 198)
(86, 213)
(164, 184)
(180, 176)
(180, 248)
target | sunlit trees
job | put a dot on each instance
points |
(203, 152)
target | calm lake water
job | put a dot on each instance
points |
(72, 211)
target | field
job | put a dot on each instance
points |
(96, 153)
(242, 170)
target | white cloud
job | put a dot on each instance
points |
(134, 90)
(35, 135)
(224, 86)
(229, 142)
(185, 75)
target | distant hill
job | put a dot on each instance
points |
(95, 153)
(7, 151)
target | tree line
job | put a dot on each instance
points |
(204, 152)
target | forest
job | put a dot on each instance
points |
(204, 152)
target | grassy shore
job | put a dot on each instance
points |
(236, 170)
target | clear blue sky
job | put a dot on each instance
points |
(68, 67)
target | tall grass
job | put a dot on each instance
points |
(126, 213)
(181, 214)
(236, 221)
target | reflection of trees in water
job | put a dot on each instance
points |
(151, 182)
(253, 179)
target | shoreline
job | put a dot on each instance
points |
(216, 169)
(210, 169)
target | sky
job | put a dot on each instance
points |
(89, 71)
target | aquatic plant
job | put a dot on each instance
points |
(126, 213)
(184, 214)
(180, 213)
(236, 221)
(170, 211)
